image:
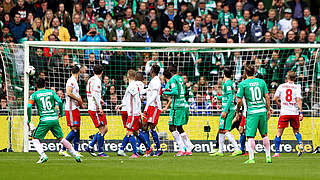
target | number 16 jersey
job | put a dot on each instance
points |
(288, 93)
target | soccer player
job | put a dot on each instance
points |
(227, 114)
(153, 107)
(49, 120)
(258, 111)
(289, 95)
(95, 111)
(73, 102)
(132, 103)
(179, 112)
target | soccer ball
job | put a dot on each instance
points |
(31, 71)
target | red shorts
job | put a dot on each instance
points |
(153, 115)
(133, 123)
(285, 119)
(243, 122)
(98, 119)
(124, 117)
(73, 118)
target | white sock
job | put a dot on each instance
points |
(38, 146)
(266, 144)
(186, 141)
(232, 140)
(178, 139)
(221, 142)
(68, 146)
(251, 145)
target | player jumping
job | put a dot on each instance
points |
(227, 114)
(132, 103)
(73, 102)
(95, 111)
(258, 112)
(153, 107)
(179, 112)
(49, 120)
(291, 110)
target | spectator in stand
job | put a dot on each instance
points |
(246, 17)
(150, 17)
(256, 27)
(142, 35)
(17, 27)
(179, 19)
(189, 19)
(302, 37)
(200, 105)
(226, 16)
(166, 36)
(8, 5)
(40, 12)
(271, 21)
(77, 9)
(39, 61)
(313, 27)
(128, 17)
(295, 27)
(173, 31)
(102, 10)
(312, 38)
(186, 34)
(100, 27)
(238, 13)
(204, 37)
(5, 34)
(169, 14)
(201, 10)
(285, 23)
(48, 52)
(93, 36)
(89, 15)
(291, 37)
(109, 22)
(142, 12)
(64, 16)
(21, 9)
(154, 60)
(76, 28)
(119, 33)
(37, 27)
(281, 38)
(261, 11)
(243, 36)
(29, 19)
(154, 30)
(279, 6)
(234, 29)
(112, 103)
(224, 35)
(29, 34)
(196, 26)
(63, 32)
(302, 72)
(267, 38)
(133, 30)
(47, 19)
(306, 17)
(118, 11)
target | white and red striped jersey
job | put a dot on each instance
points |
(72, 104)
(133, 103)
(288, 94)
(94, 93)
(153, 93)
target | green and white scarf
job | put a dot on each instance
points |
(307, 19)
(195, 57)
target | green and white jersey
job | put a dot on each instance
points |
(176, 85)
(45, 101)
(253, 90)
(228, 96)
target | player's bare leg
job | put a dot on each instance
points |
(178, 139)
(251, 148)
(69, 147)
(277, 141)
(185, 139)
(73, 136)
(299, 139)
(39, 149)
(266, 144)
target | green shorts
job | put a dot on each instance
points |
(226, 123)
(179, 117)
(44, 126)
(256, 121)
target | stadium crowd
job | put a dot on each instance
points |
(174, 21)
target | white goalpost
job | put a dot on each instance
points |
(200, 63)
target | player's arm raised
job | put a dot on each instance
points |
(71, 95)
(60, 103)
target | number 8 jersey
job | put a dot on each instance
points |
(288, 93)
(253, 90)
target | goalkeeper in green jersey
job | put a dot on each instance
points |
(256, 95)
(45, 100)
(227, 114)
(179, 112)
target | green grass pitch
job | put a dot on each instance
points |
(199, 166)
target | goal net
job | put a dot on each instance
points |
(201, 66)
